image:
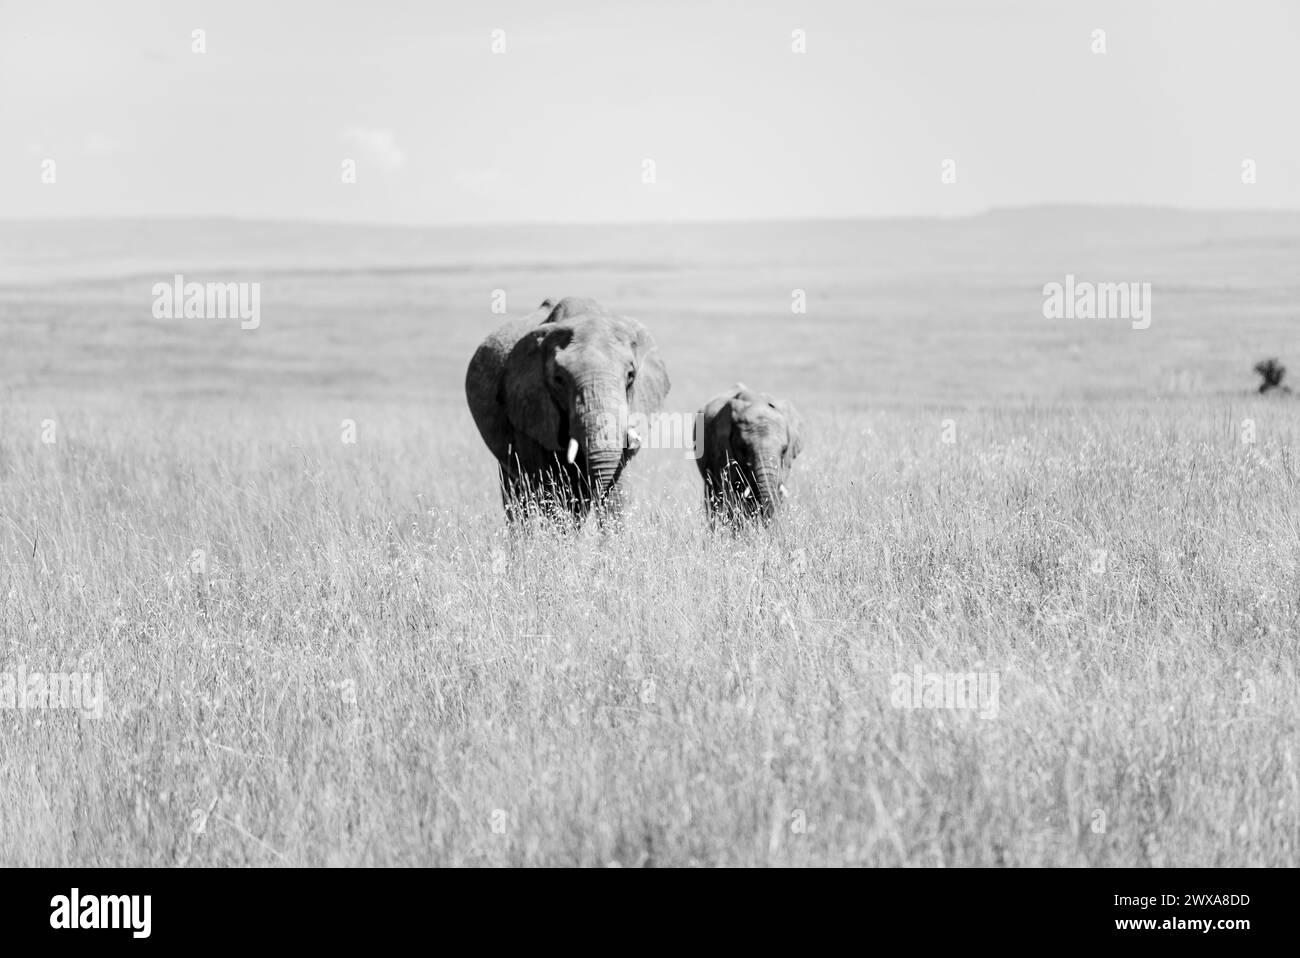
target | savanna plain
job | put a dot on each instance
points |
(317, 651)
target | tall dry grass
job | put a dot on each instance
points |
(361, 667)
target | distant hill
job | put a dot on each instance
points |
(34, 252)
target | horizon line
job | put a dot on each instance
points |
(724, 221)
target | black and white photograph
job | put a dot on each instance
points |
(699, 435)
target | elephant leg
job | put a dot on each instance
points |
(573, 504)
(564, 493)
(718, 498)
(744, 498)
(548, 496)
(742, 503)
(509, 492)
(545, 499)
(525, 494)
(519, 500)
(718, 518)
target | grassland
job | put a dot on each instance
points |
(326, 653)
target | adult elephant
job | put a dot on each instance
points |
(552, 394)
(747, 442)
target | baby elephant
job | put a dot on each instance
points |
(749, 442)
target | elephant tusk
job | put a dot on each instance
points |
(633, 439)
(783, 490)
(573, 451)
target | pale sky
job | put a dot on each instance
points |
(557, 128)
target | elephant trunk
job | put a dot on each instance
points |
(599, 418)
(766, 488)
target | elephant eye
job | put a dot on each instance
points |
(631, 378)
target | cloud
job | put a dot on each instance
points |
(377, 148)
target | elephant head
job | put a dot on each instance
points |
(554, 395)
(750, 442)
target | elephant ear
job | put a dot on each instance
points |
(650, 388)
(794, 427)
(528, 403)
(717, 416)
(699, 427)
